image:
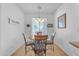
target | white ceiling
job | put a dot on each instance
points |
(33, 7)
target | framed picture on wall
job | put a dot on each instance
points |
(62, 21)
(49, 25)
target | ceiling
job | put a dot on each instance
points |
(38, 7)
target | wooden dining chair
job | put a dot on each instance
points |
(40, 45)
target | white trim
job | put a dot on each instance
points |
(18, 46)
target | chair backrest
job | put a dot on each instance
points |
(40, 37)
(24, 37)
(52, 37)
(39, 45)
(40, 41)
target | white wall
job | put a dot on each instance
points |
(11, 34)
(72, 21)
(71, 33)
(0, 27)
(28, 20)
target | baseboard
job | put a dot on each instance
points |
(15, 49)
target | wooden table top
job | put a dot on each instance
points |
(41, 37)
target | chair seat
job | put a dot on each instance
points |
(49, 42)
(30, 43)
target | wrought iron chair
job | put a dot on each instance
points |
(30, 43)
(51, 41)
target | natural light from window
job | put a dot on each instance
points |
(39, 25)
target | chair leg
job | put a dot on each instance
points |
(53, 48)
(45, 52)
(35, 52)
(25, 50)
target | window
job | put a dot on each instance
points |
(39, 25)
